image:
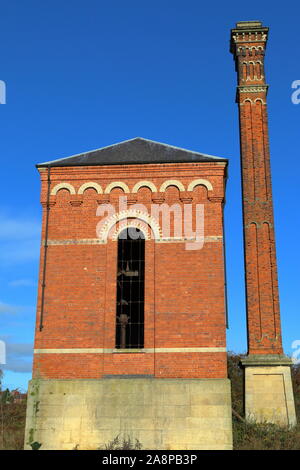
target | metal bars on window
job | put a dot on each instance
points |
(130, 289)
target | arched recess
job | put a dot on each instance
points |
(88, 185)
(168, 183)
(59, 186)
(132, 223)
(259, 100)
(247, 100)
(116, 184)
(200, 182)
(142, 184)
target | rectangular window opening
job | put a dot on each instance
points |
(130, 289)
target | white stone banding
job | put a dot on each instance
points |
(113, 350)
(168, 183)
(59, 186)
(116, 184)
(200, 182)
(88, 185)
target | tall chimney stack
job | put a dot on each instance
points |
(267, 369)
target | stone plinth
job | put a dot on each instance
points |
(160, 413)
(268, 389)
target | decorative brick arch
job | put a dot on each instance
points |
(247, 100)
(129, 214)
(88, 185)
(142, 184)
(116, 184)
(200, 182)
(168, 183)
(59, 186)
(143, 226)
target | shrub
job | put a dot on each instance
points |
(123, 444)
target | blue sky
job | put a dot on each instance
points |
(82, 75)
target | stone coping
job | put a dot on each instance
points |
(266, 360)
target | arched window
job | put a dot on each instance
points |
(130, 289)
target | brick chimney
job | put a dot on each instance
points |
(248, 45)
(266, 366)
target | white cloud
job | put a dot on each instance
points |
(20, 239)
(19, 252)
(18, 228)
(18, 365)
(22, 283)
(19, 349)
(18, 357)
(8, 309)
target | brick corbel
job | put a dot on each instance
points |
(103, 199)
(131, 199)
(158, 198)
(52, 201)
(186, 197)
(76, 200)
(219, 199)
(51, 204)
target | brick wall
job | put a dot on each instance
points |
(184, 289)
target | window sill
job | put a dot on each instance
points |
(128, 350)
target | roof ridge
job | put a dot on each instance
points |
(89, 151)
(91, 155)
(179, 148)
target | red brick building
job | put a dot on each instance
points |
(146, 309)
(183, 299)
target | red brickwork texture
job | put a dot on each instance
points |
(264, 332)
(184, 289)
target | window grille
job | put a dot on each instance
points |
(130, 289)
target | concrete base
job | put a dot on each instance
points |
(269, 393)
(161, 413)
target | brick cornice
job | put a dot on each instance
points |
(252, 88)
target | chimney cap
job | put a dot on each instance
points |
(244, 27)
(249, 24)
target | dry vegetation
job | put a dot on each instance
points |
(247, 436)
(12, 422)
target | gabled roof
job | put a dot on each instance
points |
(133, 151)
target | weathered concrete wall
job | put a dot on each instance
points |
(160, 413)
